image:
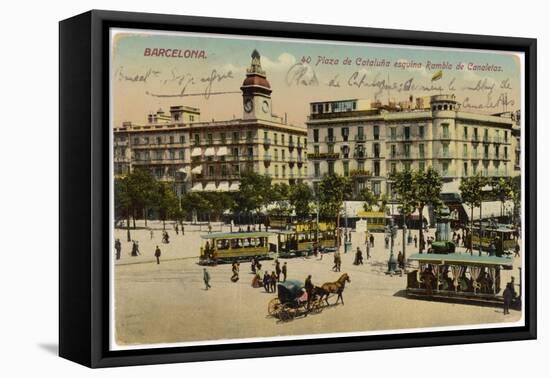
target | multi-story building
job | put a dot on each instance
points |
(367, 141)
(210, 156)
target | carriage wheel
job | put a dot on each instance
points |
(316, 307)
(286, 314)
(273, 306)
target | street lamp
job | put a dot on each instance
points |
(392, 262)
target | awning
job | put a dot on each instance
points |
(210, 187)
(197, 151)
(182, 170)
(197, 170)
(222, 151)
(235, 185)
(209, 151)
(197, 187)
(223, 186)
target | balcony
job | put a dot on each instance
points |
(291, 145)
(324, 156)
(360, 155)
(360, 138)
(330, 139)
(360, 173)
(267, 157)
(267, 141)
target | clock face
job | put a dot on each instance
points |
(265, 106)
(248, 106)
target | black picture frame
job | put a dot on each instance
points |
(84, 189)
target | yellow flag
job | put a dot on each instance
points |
(438, 75)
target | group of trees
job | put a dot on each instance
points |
(138, 193)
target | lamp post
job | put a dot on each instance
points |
(392, 262)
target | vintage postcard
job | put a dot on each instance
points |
(270, 189)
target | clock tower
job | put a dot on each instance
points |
(256, 91)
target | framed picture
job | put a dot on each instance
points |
(236, 188)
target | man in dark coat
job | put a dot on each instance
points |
(206, 278)
(278, 270)
(118, 248)
(509, 295)
(267, 282)
(284, 271)
(273, 282)
(308, 285)
(157, 254)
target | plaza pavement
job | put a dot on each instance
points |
(167, 303)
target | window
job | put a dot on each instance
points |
(421, 166)
(393, 167)
(505, 152)
(465, 150)
(331, 167)
(249, 135)
(393, 133)
(191, 118)
(475, 133)
(276, 154)
(284, 170)
(181, 154)
(496, 151)
(345, 165)
(176, 117)
(276, 170)
(465, 132)
(210, 139)
(407, 150)
(330, 132)
(421, 131)
(330, 148)
(158, 155)
(235, 152)
(407, 132)
(275, 138)
(361, 166)
(360, 133)
(316, 135)
(445, 169)
(250, 151)
(283, 155)
(376, 187)
(210, 170)
(445, 150)
(421, 150)
(376, 149)
(465, 169)
(182, 139)
(345, 134)
(486, 152)
(376, 168)
(222, 138)
(376, 132)
(316, 150)
(136, 141)
(159, 140)
(393, 151)
(236, 136)
(197, 139)
(407, 166)
(345, 152)
(445, 130)
(317, 171)
(172, 155)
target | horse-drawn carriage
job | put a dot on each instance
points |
(293, 300)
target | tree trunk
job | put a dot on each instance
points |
(471, 246)
(145, 215)
(420, 229)
(128, 237)
(134, 218)
(163, 224)
(480, 228)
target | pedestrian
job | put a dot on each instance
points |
(509, 295)
(235, 270)
(492, 249)
(157, 254)
(209, 228)
(457, 239)
(284, 271)
(308, 285)
(151, 233)
(135, 248)
(386, 241)
(278, 270)
(371, 240)
(182, 230)
(368, 251)
(206, 278)
(415, 241)
(253, 265)
(516, 250)
(358, 257)
(176, 228)
(273, 281)
(400, 260)
(118, 248)
(267, 282)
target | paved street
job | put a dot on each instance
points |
(167, 303)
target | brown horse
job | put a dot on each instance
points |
(334, 288)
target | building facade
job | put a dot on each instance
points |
(368, 141)
(210, 156)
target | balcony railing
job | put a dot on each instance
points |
(324, 155)
(330, 139)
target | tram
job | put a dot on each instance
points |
(376, 220)
(459, 277)
(227, 247)
(502, 236)
(301, 240)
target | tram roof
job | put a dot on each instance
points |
(237, 235)
(460, 258)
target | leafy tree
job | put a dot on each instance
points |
(516, 196)
(369, 197)
(427, 187)
(280, 196)
(167, 202)
(194, 203)
(123, 202)
(502, 190)
(142, 191)
(216, 204)
(300, 198)
(253, 194)
(334, 190)
(471, 190)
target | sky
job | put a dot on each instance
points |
(299, 72)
